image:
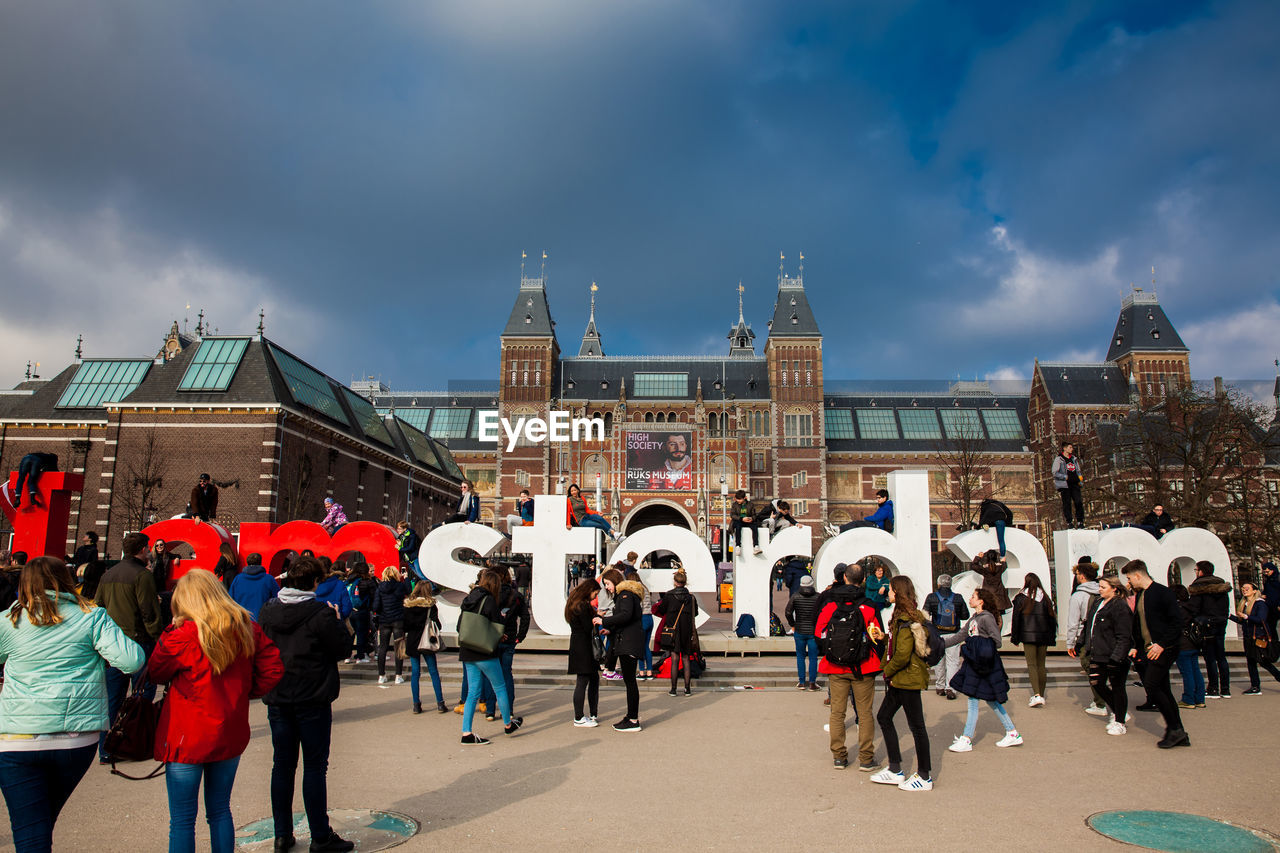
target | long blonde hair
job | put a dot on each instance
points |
(224, 627)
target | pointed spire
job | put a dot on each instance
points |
(741, 338)
(592, 347)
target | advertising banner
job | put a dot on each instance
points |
(660, 460)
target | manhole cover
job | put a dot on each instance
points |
(1175, 832)
(368, 828)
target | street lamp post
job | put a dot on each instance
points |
(724, 516)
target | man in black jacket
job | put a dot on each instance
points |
(802, 615)
(1157, 633)
(300, 708)
(1157, 522)
(1210, 604)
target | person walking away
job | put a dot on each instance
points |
(1210, 607)
(1079, 607)
(1035, 628)
(254, 587)
(580, 615)
(624, 626)
(481, 667)
(1106, 641)
(227, 567)
(948, 611)
(802, 615)
(1251, 613)
(127, 592)
(1157, 629)
(854, 643)
(906, 675)
(54, 646)
(1188, 656)
(679, 609)
(214, 659)
(361, 589)
(982, 675)
(1067, 480)
(388, 609)
(333, 590)
(311, 641)
(420, 611)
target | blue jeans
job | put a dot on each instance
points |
(36, 786)
(478, 672)
(415, 672)
(183, 784)
(597, 521)
(806, 644)
(999, 525)
(646, 625)
(506, 653)
(118, 686)
(1192, 677)
(308, 727)
(971, 719)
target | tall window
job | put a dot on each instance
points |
(757, 462)
(799, 479)
(799, 430)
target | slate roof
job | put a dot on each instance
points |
(40, 404)
(792, 316)
(896, 403)
(1101, 384)
(1143, 327)
(531, 315)
(256, 380)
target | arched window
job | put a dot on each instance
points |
(661, 418)
(648, 417)
(608, 423)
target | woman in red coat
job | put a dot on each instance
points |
(214, 658)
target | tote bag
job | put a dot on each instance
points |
(431, 641)
(478, 634)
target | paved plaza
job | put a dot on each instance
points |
(729, 769)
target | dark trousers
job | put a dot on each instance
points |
(36, 786)
(361, 623)
(506, 655)
(1217, 673)
(1255, 682)
(1110, 685)
(588, 689)
(30, 469)
(738, 524)
(305, 727)
(1071, 497)
(628, 667)
(1155, 678)
(908, 701)
(388, 632)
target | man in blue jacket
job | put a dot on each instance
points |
(254, 586)
(882, 517)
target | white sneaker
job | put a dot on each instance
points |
(826, 727)
(1037, 701)
(399, 679)
(1112, 718)
(888, 777)
(962, 744)
(382, 679)
(585, 723)
(915, 783)
(757, 550)
(1097, 710)
(1010, 739)
(1114, 728)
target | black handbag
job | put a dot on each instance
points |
(597, 647)
(133, 735)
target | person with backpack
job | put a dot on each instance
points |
(1035, 628)
(948, 611)
(802, 616)
(1189, 654)
(1251, 614)
(333, 590)
(982, 675)
(420, 616)
(1107, 638)
(679, 609)
(853, 639)
(906, 674)
(361, 589)
(54, 646)
(1079, 607)
(993, 513)
(1209, 609)
(214, 659)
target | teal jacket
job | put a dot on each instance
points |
(53, 676)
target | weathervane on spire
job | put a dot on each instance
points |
(593, 301)
(523, 255)
(740, 289)
(262, 326)
(781, 258)
(544, 264)
(802, 265)
(79, 347)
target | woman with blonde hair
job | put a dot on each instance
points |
(388, 610)
(214, 659)
(420, 612)
(54, 645)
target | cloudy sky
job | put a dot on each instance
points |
(972, 185)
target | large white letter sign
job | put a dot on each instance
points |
(906, 549)
(549, 543)
(751, 585)
(1025, 555)
(437, 561)
(1184, 546)
(1068, 547)
(689, 549)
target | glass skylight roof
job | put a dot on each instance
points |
(97, 383)
(371, 423)
(308, 386)
(214, 364)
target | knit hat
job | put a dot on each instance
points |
(806, 582)
(944, 580)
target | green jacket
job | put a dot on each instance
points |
(128, 593)
(905, 669)
(54, 679)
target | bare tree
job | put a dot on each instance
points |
(293, 495)
(965, 456)
(139, 495)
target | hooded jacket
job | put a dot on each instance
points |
(332, 590)
(1210, 597)
(624, 623)
(832, 599)
(253, 587)
(205, 717)
(1078, 610)
(905, 669)
(311, 641)
(1060, 473)
(416, 615)
(479, 601)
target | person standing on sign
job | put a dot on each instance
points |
(29, 471)
(1067, 480)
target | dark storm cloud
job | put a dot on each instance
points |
(972, 187)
